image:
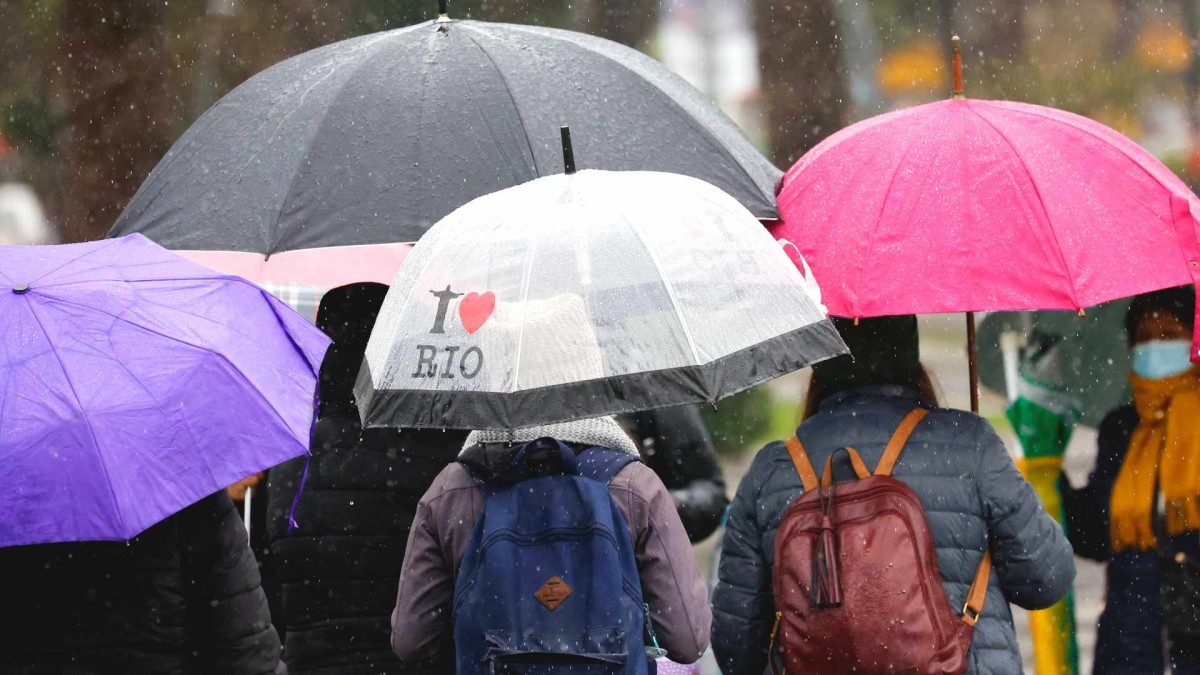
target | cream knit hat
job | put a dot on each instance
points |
(601, 432)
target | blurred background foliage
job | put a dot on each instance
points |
(92, 93)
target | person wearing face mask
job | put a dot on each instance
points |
(1140, 510)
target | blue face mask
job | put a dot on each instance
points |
(1159, 359)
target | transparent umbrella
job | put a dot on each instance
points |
(580, 295)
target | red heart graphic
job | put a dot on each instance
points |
(475, 309)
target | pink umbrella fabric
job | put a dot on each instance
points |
(971, 205)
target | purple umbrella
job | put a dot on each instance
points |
(133, 383)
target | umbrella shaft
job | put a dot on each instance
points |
(972, 362)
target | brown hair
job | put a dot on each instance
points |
(921, 383)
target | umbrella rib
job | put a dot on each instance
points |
(508, 91)
(217, 354)
(1041, 202)
(83, 413)
(72, 261)
(367, 53)
(685, 115)
(524, 306)
(670, 288)
(1090, 132)
(912, 143)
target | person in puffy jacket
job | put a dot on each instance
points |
(971, 491)
(352, 500)
(672, 585)
(1159, 430)
(181, 597)
(675, 443)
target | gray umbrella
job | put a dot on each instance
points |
(372, 140)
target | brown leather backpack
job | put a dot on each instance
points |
(856, 579)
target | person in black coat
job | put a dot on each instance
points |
(675, 443)
(352, 501)
(181, 597)
(1130, 633)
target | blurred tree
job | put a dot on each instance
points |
(993, 29)
(1129, 23)
(120, 87)
(803, 84)
(631, 22)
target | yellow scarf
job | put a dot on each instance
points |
(1164, 449)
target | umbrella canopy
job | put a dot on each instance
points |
(1078, 362)
(368, 142)
(970, 205)
(134, 383)
(580, 295)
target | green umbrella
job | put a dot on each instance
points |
(1083, 358)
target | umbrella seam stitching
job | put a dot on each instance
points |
(843, 135)
(73, 261)
(508, 92)
(670, 287)
(1041, 202)
(524, 308)
(203, 348)
(435, 244)
(1103, 141)
(86, 421)
(172, 156)
(367, 53)
(912, 143)
(1109, 144)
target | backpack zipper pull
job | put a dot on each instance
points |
(653, 651)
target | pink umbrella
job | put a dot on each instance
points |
(968, 205)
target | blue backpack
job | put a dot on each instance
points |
(549, 581)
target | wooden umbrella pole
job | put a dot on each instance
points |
(956, 63)
(972, 362)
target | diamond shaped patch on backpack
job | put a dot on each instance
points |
(553, 593)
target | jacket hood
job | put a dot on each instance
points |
(493, 462)
(602, 432)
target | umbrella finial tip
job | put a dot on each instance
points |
(21, 289)
(956, 63)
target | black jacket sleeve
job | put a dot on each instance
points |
(1030, 552)
(230, 625)
(1087, 507)
(743, 606)
(676, 444)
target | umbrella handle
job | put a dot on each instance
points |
(246, 510)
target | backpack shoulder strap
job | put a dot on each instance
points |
(602, 464)
(973, 607)
(892, 452)
(804, 467)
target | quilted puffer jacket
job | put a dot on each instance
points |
(973, 496)
(183, 597)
